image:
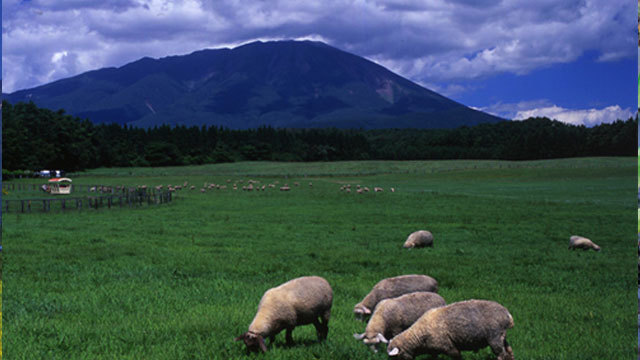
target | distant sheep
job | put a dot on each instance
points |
(393, 287)
(285, 188)
(466, 325)
(301, 301)
(579, 242)
(393, 316)
(378, 189)
(420, 238)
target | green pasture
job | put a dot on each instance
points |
(181, 280)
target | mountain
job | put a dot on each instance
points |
(297, 84)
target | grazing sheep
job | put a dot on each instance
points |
(393, 287)
(393, 316)
(285, 188)
(393, 190)
(301, 301)
(579, 242)
(193, 187)
(378, 189)
(465, 325)
(420, 238)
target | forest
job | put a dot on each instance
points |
(37, 138)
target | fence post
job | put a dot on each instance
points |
(22, 206)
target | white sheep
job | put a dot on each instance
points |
(579, 242)
(393, 287)
(393, 316)
(465, 325)
(301, 301)
(420, 238)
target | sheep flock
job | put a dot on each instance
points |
(405, 314)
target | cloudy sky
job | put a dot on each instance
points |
(573, 60)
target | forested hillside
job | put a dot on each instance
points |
(37, 138)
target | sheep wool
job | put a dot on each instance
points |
(579, 242)
(420, 238)
(465, 325)
(301, 301)
(392, 316)
(393, 287)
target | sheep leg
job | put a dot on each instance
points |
(289, 337)
(509, 350)
(322, 329)
(454, 354)
(500, 348)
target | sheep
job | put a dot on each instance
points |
(378, 189)
(393, 316)
(393, 287)
(301, 301)
(579, 242)
(420, 238)
(465, 325)
(285, 188)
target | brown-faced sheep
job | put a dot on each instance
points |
(393, 287)
(301, 301)
(466, 325)
(420, 238)
(393, 316)
(579, 242)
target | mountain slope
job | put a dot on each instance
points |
(282, 84)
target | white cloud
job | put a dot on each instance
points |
(426, 41)
(587, 117)
(544, 108)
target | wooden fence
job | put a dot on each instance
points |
(74, 187)
(130, 199)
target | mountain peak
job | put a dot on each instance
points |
(278, 83)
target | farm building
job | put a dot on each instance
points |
(60, 186)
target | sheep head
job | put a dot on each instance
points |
(361, 312)
(253, 341)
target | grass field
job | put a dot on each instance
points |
(181, 280)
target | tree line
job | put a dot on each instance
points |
(37, 138)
